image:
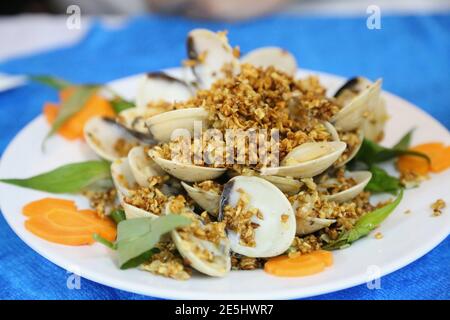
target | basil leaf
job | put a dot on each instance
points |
(381, 181)
(53, 82)
(138, 236)
(371, 153)
(405, 142)
(68, 108)
(118, 215)
(364, 225)
(104, 241)
(119, 104)
(135, 262)
(69, 178)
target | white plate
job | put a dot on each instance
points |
(406, 236)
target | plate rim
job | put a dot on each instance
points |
(288, 293)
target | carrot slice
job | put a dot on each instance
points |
(302, 265)
(438, 153)
(73, 128)
(44, 229)
(42, 206)
(325, 256)
(57, 220)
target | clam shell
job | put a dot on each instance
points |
(278, 58)
(102, 134)
(163, 125)
(285, 184)
(221, 264)
(308, 159)
(185, 171)
(125, 182)
(159, 86)
(207, 200)
(212, 52)
(352, 115)
(362, 178)
(339, 164)
(142, 166)
(134, 118)
(274, 235)
(308, 225)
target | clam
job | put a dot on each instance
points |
(354, 110)
(125, 182)
(305, 224)
(308, 159)
(275, 219)
(193, 248)
(332, 130)
(142, 166)
(186, 171)
(350, 154)
(361, 178)
(163, 125)
(134, 118)
(103, 136)
(212, 55)
(278, 58)
(207, 200)
(287, 185)
(160, 87)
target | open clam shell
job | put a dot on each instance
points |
(190, 247)
(159, 86)
(186, 171)
(276, 220)
(207, 200)
(305, 224)
(212, 54)
(278, 58)
(308, 159)
(163, 125)
(353, 114)
(103, 135)
(142, 166)
(342, 161)
(134, 118)
(362, 178)
(285, 184)
(125, 182)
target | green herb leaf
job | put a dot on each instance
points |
(118, 215)
(382, 182)
(70, 178)
(119, 104)
(405, 142)
(104, 241)
(53, 82)
(71, 106)
(371, 153)
(135, 262)
(135, 237)
(364, 225)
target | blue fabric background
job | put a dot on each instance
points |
(411, 53)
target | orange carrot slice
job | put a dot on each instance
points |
(438, 153)
(73, 128)
(42, 206)
(302, 265)
(57, 220)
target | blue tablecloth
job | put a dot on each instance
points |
(411, 53)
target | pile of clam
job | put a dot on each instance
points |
(362, 111)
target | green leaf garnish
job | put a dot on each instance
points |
(119, 104)
(68, 108)
(364, 225)
(104, 241)
(371, 153)
(118, 215)
(53, 82)
(136, 238)
(382, 182)
(405, 142)
(69, 178)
